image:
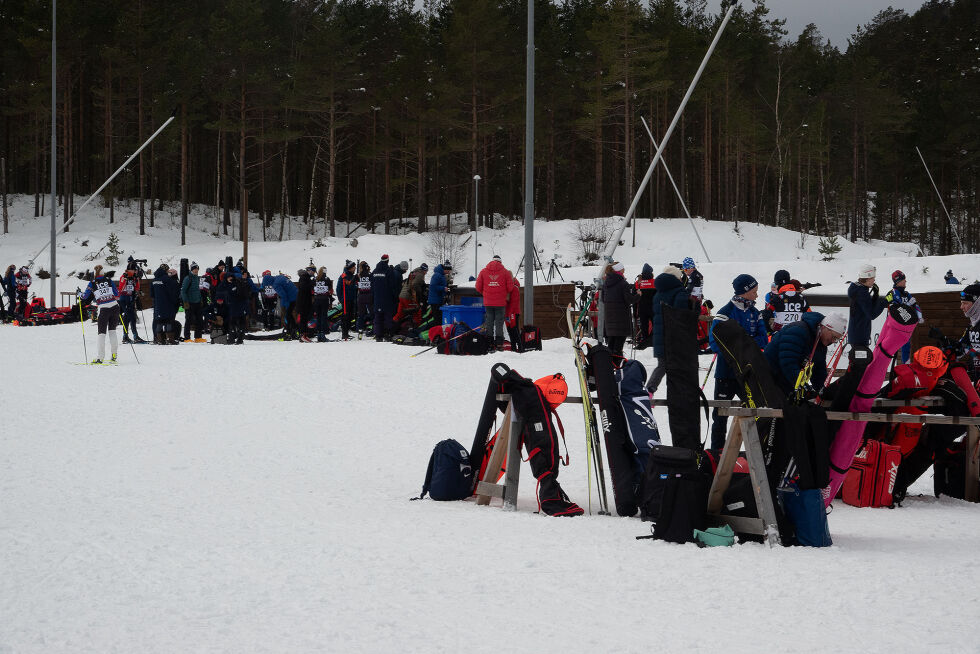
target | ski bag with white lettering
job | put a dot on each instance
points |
(620, 449)
(635, 399)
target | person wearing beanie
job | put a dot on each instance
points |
(347, 298)
(646, 288)
(617, 298)
(269, 299)
(495, 284)
(190, 295)
(865, 307)
(412, 297)
(780, 279)
(899, 295)
(22, 281)
(694, 284)
(129, 288)
(670, 292)
(438, 288)
(970, 342)
(741, 308)
(323, 299)
(365, 298)
(792, 347)
(286, 291)
(103, 290)
(950, 279)
(512, 321)
(385, 285)
(784, 307)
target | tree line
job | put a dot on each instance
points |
(377, 113)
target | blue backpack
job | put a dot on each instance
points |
(450, 475)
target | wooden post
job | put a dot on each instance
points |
(972, 488)
(496, 459)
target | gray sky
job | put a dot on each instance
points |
(837, 19)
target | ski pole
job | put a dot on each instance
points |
(708, 374)
(126, 332)
(81, 319)
(475, 329)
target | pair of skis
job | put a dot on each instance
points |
(593, 443)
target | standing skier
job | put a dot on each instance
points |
(970, 341)
(106, 296)
(494, 283)
(304, 302)
(647, 288)
(22, 282)
(385, 287)
(347, 294)
(190, 295)
(365, 298)
(129, 288)
(322, 299)
(742, 310)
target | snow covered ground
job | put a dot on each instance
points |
(255, 499)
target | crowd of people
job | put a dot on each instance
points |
(785, 327)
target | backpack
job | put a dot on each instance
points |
(871, 478)
(674, 494)
(530, 338)
(449, 475)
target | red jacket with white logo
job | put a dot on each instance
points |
(494, 283)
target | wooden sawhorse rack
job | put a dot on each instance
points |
(506, 447)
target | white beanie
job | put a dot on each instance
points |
(675, 271)
(867, 271)
(618, 267)
(835, 321)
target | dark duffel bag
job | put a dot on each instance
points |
(674, 494)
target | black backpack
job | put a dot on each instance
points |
(530, 338)
(449, 475)
(674, 494)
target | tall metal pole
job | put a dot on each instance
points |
(529, 173)
(943, 204)
(54, 146)
(476, 225)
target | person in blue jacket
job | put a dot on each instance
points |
(950, 279)
(287, 293)
(742, 310)
(8, 287)
(385, 286)
(900, 295)
(793, 345)
(672, 292)
(437, 289)
(865, 307)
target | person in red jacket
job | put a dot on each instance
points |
(495, 284)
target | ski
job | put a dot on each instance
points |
(592, 443)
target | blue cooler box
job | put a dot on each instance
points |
(472, 316)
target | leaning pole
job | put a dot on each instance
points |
(618, 234)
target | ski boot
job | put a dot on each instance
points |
(126, 340)
(139, 340)
(113, 359)
(96, 362)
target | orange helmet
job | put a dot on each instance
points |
(930, 361)
(554, 388)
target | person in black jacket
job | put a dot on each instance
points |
(322, 300)
(169, 299)
(385, 285)
(865, 307)
(670, 292)
(347, 296)
(617, 298)
(304, 302)
(365, 298)
(647, 288)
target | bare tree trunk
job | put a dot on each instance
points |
(3, 193)
(243, 192)
(153, 183)
(284, 197)
(706, 201)
(139, 113)
(854, 178)
(225, 199)
(183, 173)
(420, 182)
(262, 204)
(330, 209)
(108, 138)
(309, 210)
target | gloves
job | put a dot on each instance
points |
(874, 293)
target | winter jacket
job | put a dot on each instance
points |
(103, 290)
(414, 289)
(285, 289)
(494, 283)
(365, 295)
(190, 289)
(864, 309)
(347, 292)
(129, 285)
(22, 281)
(268, 287)
(617, 299)
(237, 292)
(750, 320)
(671, 292)
(437, 286)
(166, 295)
(9, 283)
(383, 285)
(790, 348)
(304, 294)
(900, 295)
(695, 285)
(514, 302)
(646, 286)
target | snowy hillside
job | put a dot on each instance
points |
(755, 249)
(255, 498)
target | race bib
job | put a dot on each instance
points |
(269, 291)
(103, 292)
(321, 288)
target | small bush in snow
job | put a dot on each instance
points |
(444, 246)
(829, 247)
(114, 252)
(591, 235)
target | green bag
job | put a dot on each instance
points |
(715, 537)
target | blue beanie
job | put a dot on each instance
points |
(744, 283)
(688, 262)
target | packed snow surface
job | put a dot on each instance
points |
(255, 498)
